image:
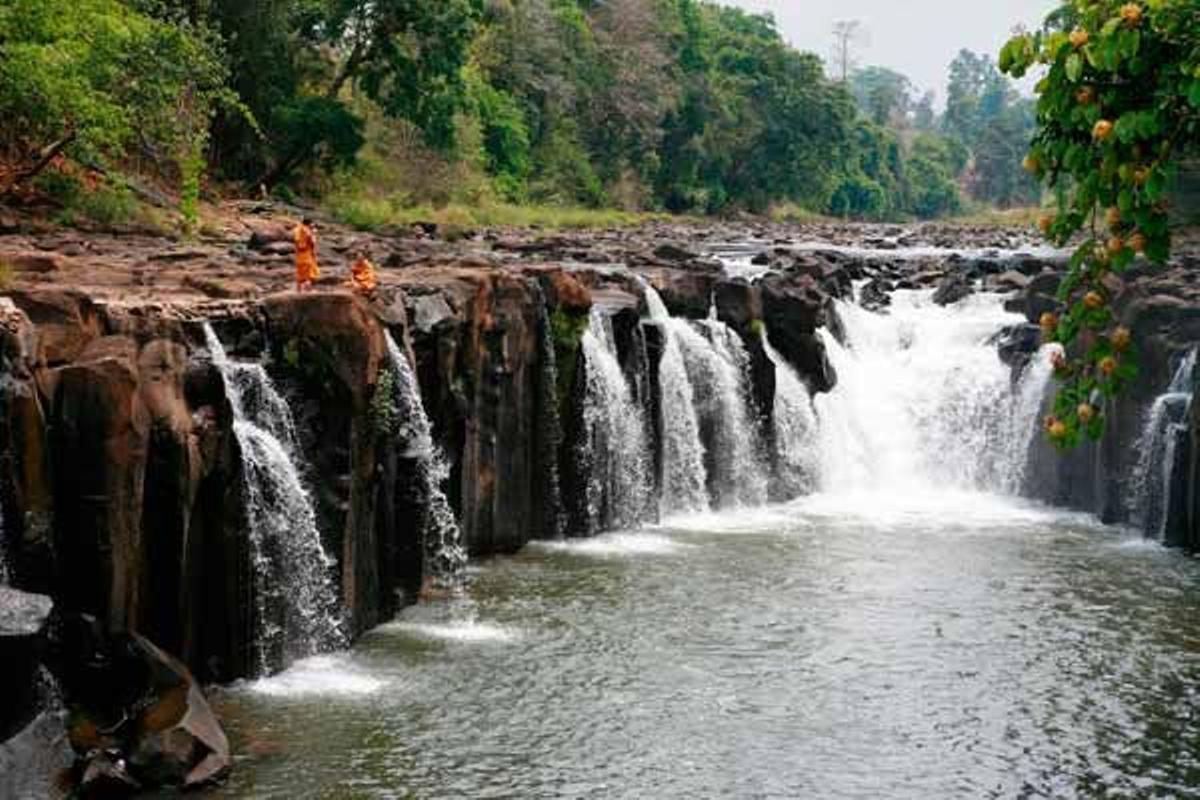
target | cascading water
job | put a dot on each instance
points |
(795, 444)
(617, 450)
(719, 369)
(551, 438)
(923, 403)
(1166, 423)
(445, 558)
(684, 479)
(297, 611)
(711, 445)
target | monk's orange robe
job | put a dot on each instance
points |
(307, 270)
(362, 276)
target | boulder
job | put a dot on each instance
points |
(137, 714)
(673, 252)
(1017, 343)
(793, 309)
(739, 304)
(23, 620)
(875, 294)
(36, 762)
(953, 289)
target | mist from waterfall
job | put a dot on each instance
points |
(616, 451)
(924, 403)
(445, 557)
(297, 613)
(1157, 447)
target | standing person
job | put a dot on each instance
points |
(362, 274)
(307, 271)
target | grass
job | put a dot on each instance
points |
(998, 217)
(7, 273)
(795, 214)
(372, 214)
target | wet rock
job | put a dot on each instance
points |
(23, 621)
(105, 777)
(875, 295)
(137, 714)
(673, 252)
(1010, 281)
(953, 289)
(793, 309)
(1038, 297)
(739, 304)
(36, 762)
(1017, 343)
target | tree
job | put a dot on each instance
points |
(97, 80)
(885, 95)
(405, 55)
(847, 35)
(1117, 109)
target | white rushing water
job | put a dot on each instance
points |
(796, 439)
(445, 558)
(711, 441)
(296, 604)
(684, 480)
(719, 369)
(1166, 422)
(617, 457)
(923, 403)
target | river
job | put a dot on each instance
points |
(913, 629)
(953, 646)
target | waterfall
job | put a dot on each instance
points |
(296, 604)
(1030, 397)
(923, 403)
(795, 444)
(684, 480)
(616, 450)
(445, 558)
(551, 435)
(719, 369)
(1166, 423)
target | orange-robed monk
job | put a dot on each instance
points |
(307, 270)
(362, 274)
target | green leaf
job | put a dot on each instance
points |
(1074, 67)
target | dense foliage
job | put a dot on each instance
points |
(1118, 107)
(676, 105)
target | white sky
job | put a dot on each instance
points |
(916, 37)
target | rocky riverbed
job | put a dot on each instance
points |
(121, 492)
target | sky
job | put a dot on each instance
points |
(916, 37)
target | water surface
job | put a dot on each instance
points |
(861, 645)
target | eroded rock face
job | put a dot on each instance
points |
(137, 716)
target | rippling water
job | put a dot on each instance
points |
(857, 646)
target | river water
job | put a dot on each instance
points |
(912, 630)
(840, 646)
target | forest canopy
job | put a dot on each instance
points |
(673, 105)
